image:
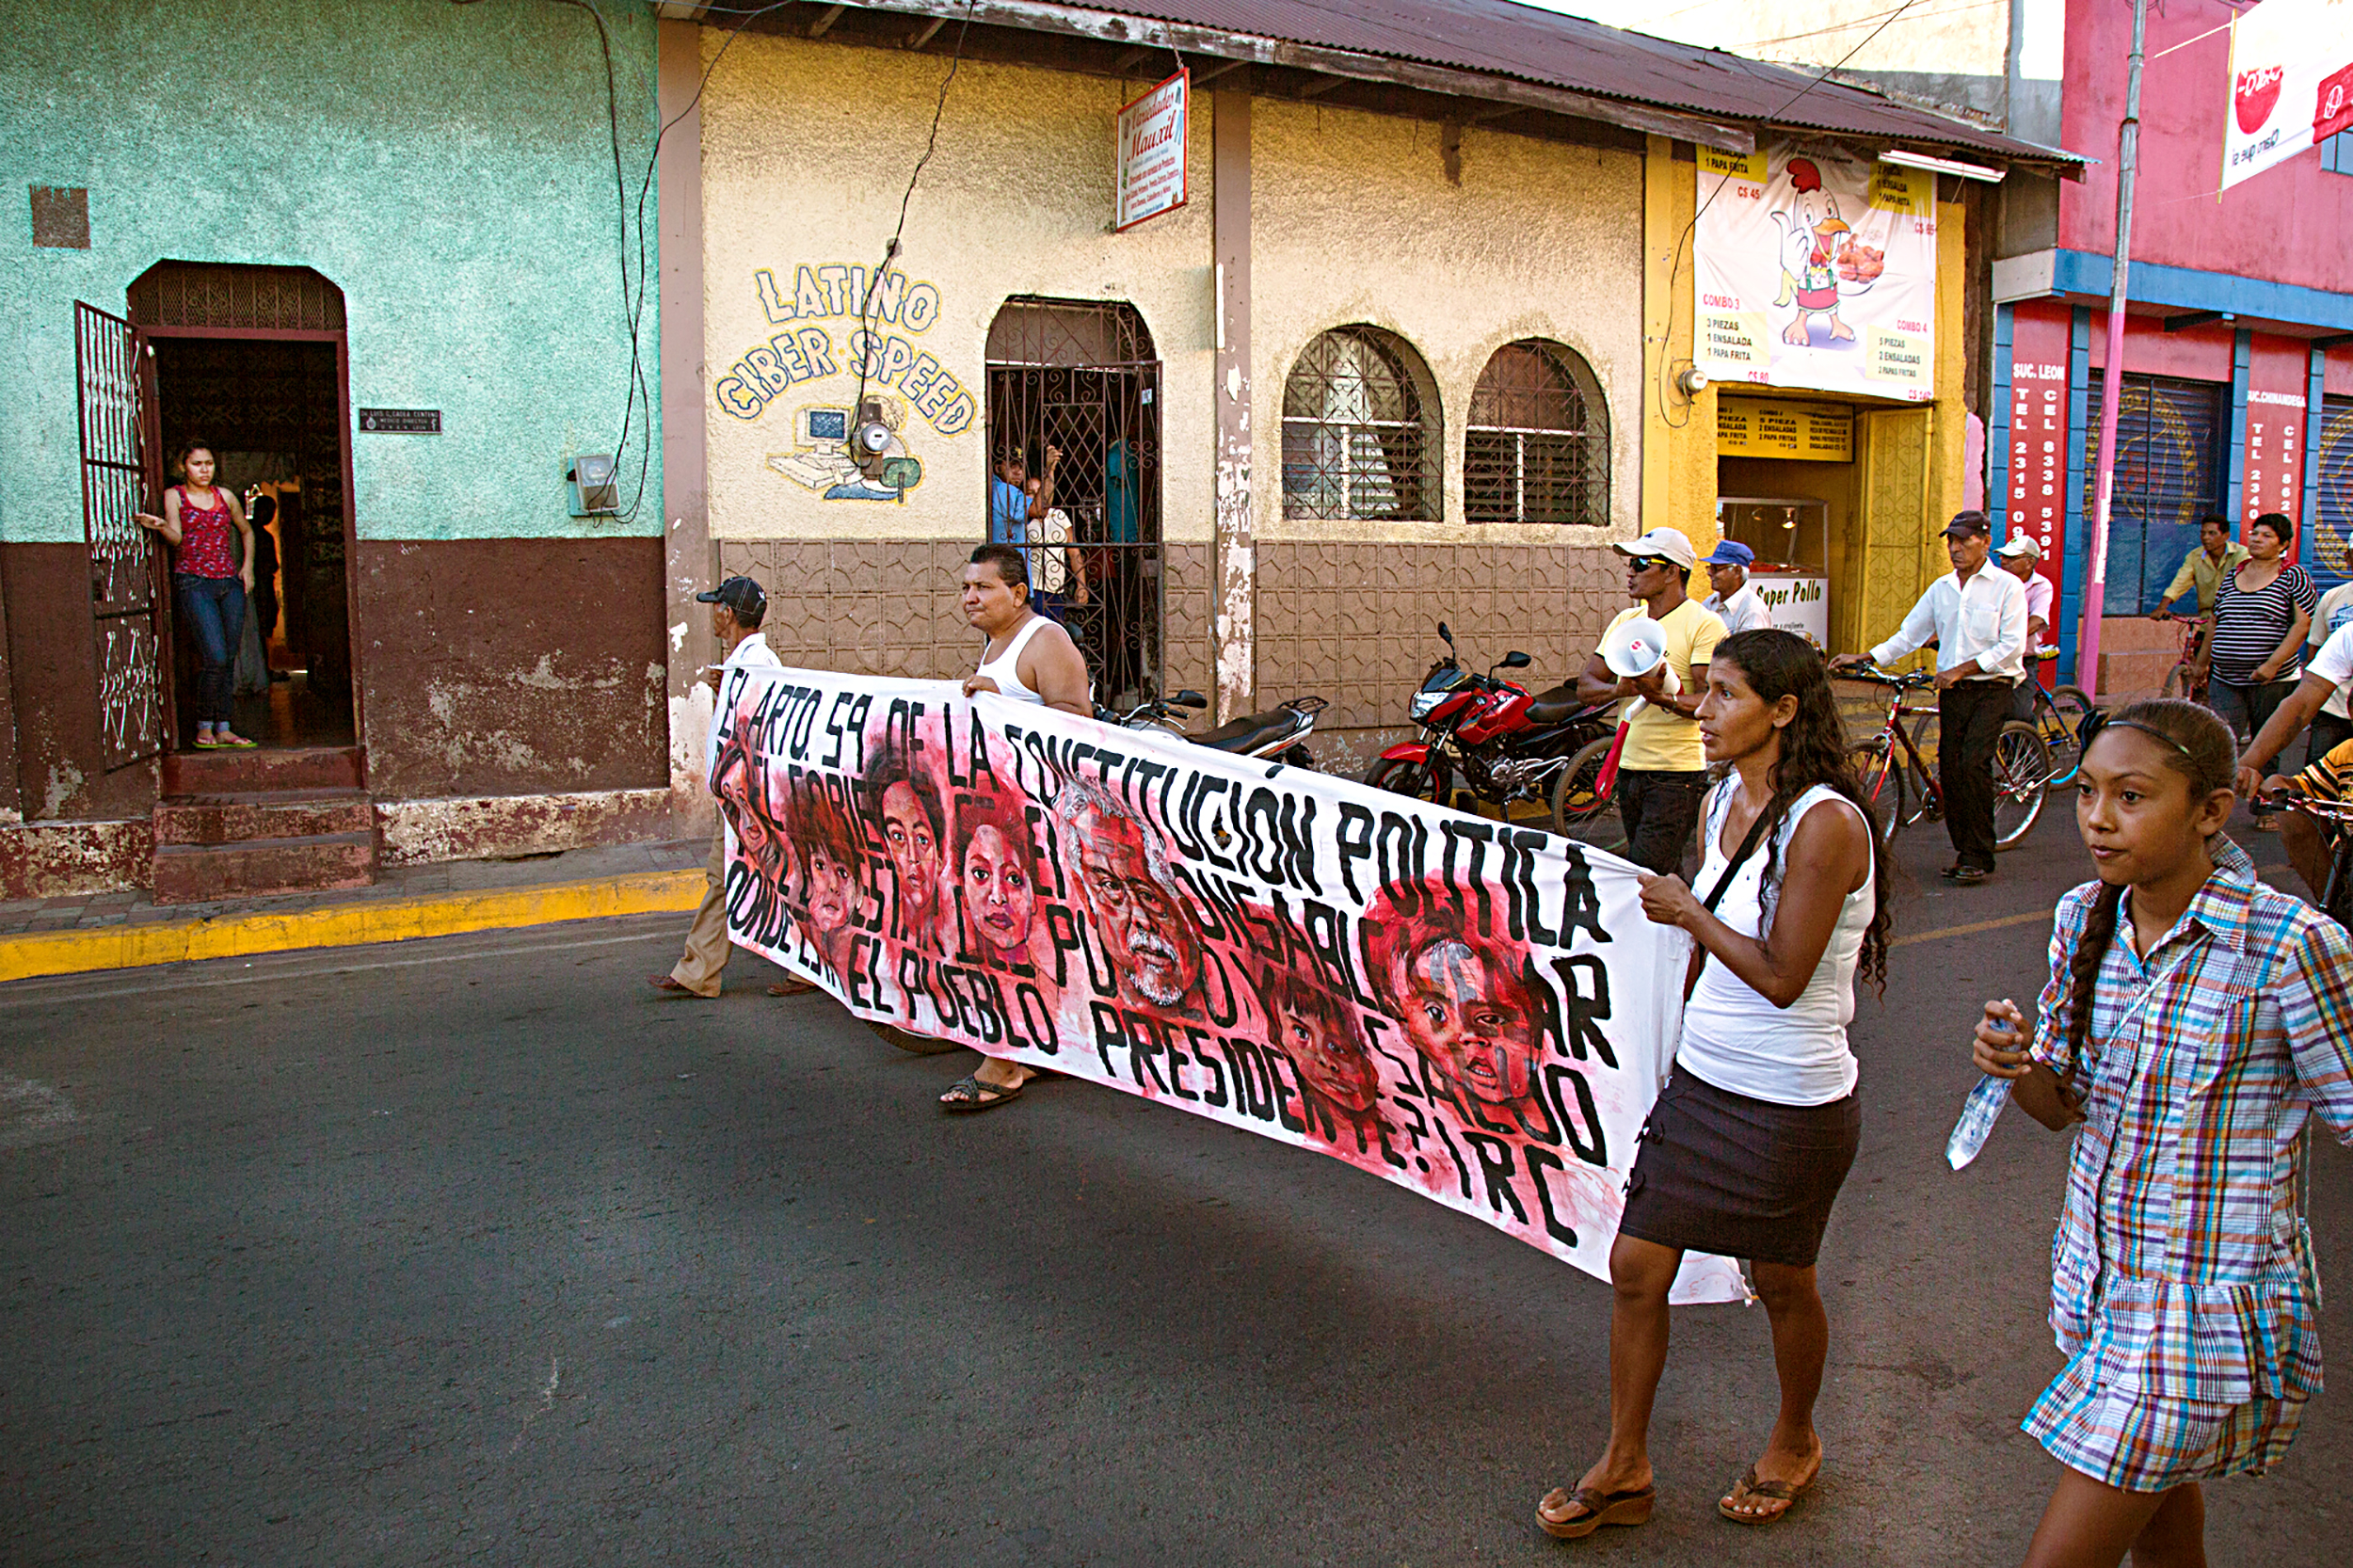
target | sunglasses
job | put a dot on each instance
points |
(1646, 563)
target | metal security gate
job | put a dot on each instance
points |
(2330, 507)
(2170, 472)
(1080, 377)
(122, 475)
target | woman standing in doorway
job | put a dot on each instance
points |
(209, 585)
(1748, 1144)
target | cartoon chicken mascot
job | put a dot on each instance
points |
(1813, 241)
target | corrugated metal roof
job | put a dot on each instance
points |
(1545, 48)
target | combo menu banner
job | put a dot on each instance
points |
(1475, 1011)
(1816, 268)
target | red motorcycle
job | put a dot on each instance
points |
(1501, 743)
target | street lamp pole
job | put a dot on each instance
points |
(2112, 374)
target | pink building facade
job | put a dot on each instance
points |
(2238, 344)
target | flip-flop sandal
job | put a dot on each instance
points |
(205, 743)
(1631, 1507)
(1783, 1492)
(236, 743)
(915, 1045)
(971, 1094)
(669, 986)
(795, 987)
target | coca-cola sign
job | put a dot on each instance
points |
(2256, 94)
(2296, 50)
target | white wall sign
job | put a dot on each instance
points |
(2291, 83)
(1816, 269)
(1152, 151)
(1800, 604)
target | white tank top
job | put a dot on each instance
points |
(1004, 670)
(1732, 1036)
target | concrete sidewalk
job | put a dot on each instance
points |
(128, 930)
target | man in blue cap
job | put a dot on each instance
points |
(1737, 604)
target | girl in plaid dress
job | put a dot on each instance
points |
(2190, 1042)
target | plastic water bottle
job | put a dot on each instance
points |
(1978, 1113)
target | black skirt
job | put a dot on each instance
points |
(1722, 1172)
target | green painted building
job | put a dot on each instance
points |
(375, 255)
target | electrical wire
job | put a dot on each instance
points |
(890, 251)
(1675, 268)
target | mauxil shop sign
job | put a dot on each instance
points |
(1152, 151)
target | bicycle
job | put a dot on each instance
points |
(2335, 818)
(1899, 784)
(2059, 716)
(2188, 677)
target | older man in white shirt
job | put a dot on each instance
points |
(1740, 606)
(1977, 619)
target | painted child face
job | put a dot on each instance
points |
(1334, 1066)
(998, 896)
(830, 884)
(914, 849)
(1150, 939)
(1469, 1020)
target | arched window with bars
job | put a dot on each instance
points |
(1361, 437)
(1536, 447)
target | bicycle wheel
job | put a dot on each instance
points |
(2176, 682)
(2022, 777)
(2061, 725)
(1579, 811)
(1882, 783)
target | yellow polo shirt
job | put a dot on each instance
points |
(1661, 741)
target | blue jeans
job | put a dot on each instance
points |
(213, 609)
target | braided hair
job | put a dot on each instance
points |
(1781, 663)
(2203, 752)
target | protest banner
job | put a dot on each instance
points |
(1475, 1011)
(1816, 268)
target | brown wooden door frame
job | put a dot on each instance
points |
(342, 340)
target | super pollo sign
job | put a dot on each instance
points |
(1474, 1010)
(2291, 83)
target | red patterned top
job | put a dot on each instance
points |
(204, 549)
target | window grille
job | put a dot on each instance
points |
(1358, 436)
(1537, 445)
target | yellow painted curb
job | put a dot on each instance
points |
(131, 947)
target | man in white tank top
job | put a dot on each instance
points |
(1027, 657)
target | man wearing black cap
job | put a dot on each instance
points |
(1977, 619)
(738, 606)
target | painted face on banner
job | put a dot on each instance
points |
(1468, 1013)
(998, 896)
(1147, 932)
(1327, 1053)
(832, 887)
(913, 845)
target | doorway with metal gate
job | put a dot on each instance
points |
(252, 361)
(1077, 383)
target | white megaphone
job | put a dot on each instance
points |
(1634, 649)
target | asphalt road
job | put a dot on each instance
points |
(475, 1250)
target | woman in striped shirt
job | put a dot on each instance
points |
(2194, 1021)
(2261, 613)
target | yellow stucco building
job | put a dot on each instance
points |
(1415, 347)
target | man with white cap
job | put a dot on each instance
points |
(1740, 607)
(2019, 556)
(1662, 773)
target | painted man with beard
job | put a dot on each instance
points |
(914, 829)
(1461, 996)
(1131, 900)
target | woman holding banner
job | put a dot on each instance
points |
(1749, 1141)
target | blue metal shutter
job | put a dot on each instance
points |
(2170, 472)
(2330, 506)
